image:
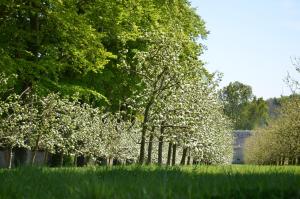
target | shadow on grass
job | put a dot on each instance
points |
(149, 182)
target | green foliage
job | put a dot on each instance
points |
(279, 142)
(179, 93)
(43, 42)
(70, 46)
(254, 114)
(136, 60)
(151, 182)
(65, 126)
(242, 107)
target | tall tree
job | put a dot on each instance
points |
(46, 42)
(242, 107)
(235, 96)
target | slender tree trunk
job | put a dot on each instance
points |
(189, 157)
(35, 149)
(142, 148)
(144, 129)
(10, 157)
(46, 157)
(189, 160)
(184, 153)
(174, 154)
(107, 161)
(169, 154)
(35, 27)
(111, 161)
(33, 157)
(150, 146)
(282, 160)
(160, 145)
(160, 149)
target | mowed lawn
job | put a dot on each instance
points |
(151, 182)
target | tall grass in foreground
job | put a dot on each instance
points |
(151, 182)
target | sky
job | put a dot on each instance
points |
(252, 41)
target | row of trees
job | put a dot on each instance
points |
(279, 142)
(137, 58)
(192, 120)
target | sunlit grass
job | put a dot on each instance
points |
(151, 182)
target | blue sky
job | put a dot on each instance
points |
(252, 41)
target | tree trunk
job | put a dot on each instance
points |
(184, 153)
(35, 149)
(144, 130)
(10, 157)
(46, 157)
(282, 160)
(169, 154)
(298, 160)
(33, 157)
(189, 157)
(142, 148)
(189, 160)
(111, 161)
(35, 28)
(174, 154)
(150, 146)
(160, 145)
(107, 161)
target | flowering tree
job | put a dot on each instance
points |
(161, 68)
(67, 127)
(198, 123)
(186, 113)
(15, 124)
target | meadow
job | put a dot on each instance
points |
(125, 182)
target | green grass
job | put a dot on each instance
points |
(151, 182)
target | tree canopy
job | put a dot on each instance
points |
(102, 77)
(79, 46)
(242, 107)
